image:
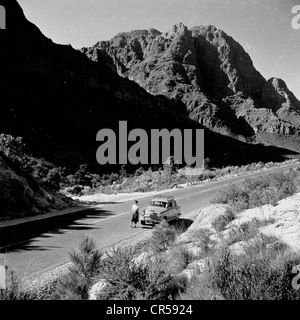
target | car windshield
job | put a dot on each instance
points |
(157, 203)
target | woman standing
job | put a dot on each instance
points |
(135, 214)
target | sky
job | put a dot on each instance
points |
(263, 27)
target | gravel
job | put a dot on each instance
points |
(42, 286)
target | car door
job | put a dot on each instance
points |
(176, 208)
(171, 211)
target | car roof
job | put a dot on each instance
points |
(163, 198)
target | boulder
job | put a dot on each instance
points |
(203, 221)
(194, 268)
(96, 289)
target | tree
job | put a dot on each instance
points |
(206, 163)
(86, 261)
(82, 176)
(123, 172)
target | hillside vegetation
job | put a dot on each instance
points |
(227, 253)
(61, 183)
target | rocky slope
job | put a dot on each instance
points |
(21, 195)
(212, 75)
(57, 100)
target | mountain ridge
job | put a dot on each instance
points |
(211, 74)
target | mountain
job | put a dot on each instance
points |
(212, 75)
(57, 99)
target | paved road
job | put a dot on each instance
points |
(107, 224)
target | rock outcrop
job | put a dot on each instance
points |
(283, 223)
(286, 224)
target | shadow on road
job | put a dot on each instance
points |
(58, 224)
(93, 203)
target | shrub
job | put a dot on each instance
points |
(53, 178)
(243, 232)
(178, 259)
(206, 175)
(258, 191)
(130, 281)
(76, 283)
(163, 237)
(220, 222)
(139, 171)
(234, 196)
(201, 237)
(200, 289)
(265, 246)
(264, 272)
(80, 177)
(284, 183)
(14, 290)
(247, 230)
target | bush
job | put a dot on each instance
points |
(201, 237)
(284, 183)
(265, 246)
(14, 290)
(206, 175)
(178, 259)
(220, 222)
(247, 230)
(130, 281)
(264, 272)
(200, 289)
(139, 171)
(163, 237)
(76, 283)
(258, 191)
(234, 196)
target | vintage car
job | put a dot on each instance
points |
(160, 208)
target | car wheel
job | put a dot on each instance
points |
(143, 222)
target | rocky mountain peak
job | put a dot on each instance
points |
(228, 60)
(211, 74)
(277, 97)
(178, 29)
(278, 84)
(275, 93)
(209, 32)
